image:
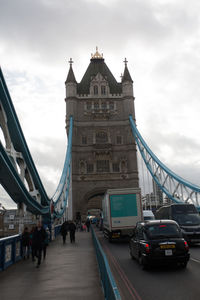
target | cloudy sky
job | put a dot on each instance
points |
(159, 38)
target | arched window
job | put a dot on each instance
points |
(103, 106)
(115, 167)
(95, 89)
(101, 137)
(89, 105)
(103, 90)
(119, 139)
(84, 140)
(96, 105)
(111, 105)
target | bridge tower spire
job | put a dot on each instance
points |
(70, 83)
(103, 148)
(127, 82)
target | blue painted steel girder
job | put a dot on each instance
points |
(176, 188)
(12, 183)
(18, 139)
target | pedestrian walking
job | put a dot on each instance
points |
(64, 230)
(84, 227)
(72, 230)
(25, 243)
(46, 242)
(87, 223)
(38, 242)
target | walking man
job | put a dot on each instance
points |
(63, 230)
(38, 241)
(72, 230)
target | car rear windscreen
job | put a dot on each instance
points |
(163, 230)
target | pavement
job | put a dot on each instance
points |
(69, 272)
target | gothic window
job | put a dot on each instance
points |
(115, 167)
(119, 139)
(84, 140)
(101, 137)
(90, 168)
(95, 89)
(111, 105)
(103, 90)
(103, 166)
(96, 105)
(103, 106)
(89, 106)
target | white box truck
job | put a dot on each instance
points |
(122, 209)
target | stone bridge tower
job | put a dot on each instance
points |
(103, 148)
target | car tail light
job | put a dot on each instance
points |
(186, 245)
(147, 248)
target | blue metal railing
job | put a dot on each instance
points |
(11, 249)
(111, 291)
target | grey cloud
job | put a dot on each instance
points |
(164, 38)
(50, 29)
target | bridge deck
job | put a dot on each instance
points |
(69, 272)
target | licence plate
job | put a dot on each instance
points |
(115, 235)
(168, 252)
(195, 240)
(167, 246)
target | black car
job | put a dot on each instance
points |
(159, 242)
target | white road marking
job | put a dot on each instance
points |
(196, 260)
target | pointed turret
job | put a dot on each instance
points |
(127, 82)
(70, 83)
(126, 76)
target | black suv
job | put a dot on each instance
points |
(159, 242)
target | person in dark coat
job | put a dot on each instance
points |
(46, 242)
(72, 230)
(87, 223)
(38, 241)
(64, 230)
(25, 243)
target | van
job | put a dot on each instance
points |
(186, 215)
(148, 215)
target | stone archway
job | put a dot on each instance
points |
(95, 202)
(92, 201)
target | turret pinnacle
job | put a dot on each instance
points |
(70, 76)
(126, 76)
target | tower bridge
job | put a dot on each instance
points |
(103, 146)
(101, 152)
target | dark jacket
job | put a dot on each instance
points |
(38, 238)
(64, 228)
(72, 227)
(87, 223)
(25, 239)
